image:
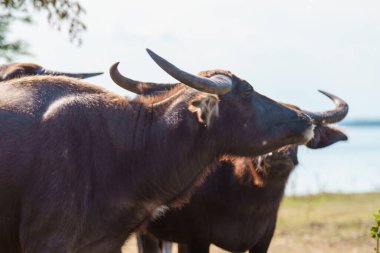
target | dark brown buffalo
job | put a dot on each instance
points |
(236, 208)
(82, 167)
(17, 70)
(241, 196)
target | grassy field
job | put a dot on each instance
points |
(328, 223)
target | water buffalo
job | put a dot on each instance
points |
(236, 208)
(254, 182)
(16, 70)
(82, 167)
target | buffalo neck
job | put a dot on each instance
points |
(162, 150)
(260, 187)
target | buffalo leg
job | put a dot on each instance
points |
(148, 244)
(166, 247)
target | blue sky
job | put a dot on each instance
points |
(286, 49)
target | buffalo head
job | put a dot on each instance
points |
(276, 166)
(246, 121)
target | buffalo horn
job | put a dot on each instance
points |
(218, 84)
(135, 86)
(332, 116)
(43, 71)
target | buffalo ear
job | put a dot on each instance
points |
(205, 108)
(325, 136)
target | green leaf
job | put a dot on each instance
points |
(60, 13)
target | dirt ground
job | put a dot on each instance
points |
(328, 223)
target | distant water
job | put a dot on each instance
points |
(352, 166)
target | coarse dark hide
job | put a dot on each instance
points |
(82, 167)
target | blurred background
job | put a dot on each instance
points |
(287, 50)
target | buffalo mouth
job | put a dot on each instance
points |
(283, 161)
(297, 132)
(286, 155)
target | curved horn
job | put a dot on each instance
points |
(218, 84)
(43, 71)
(332, 116)
(141, 88)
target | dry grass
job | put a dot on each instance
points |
(328, 223)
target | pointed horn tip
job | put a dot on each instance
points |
(148, 50)
(88, 75)
(330, 95)
(114, 66)
(153, 55)
(326, 93)
(333, 97)
(97, 73)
